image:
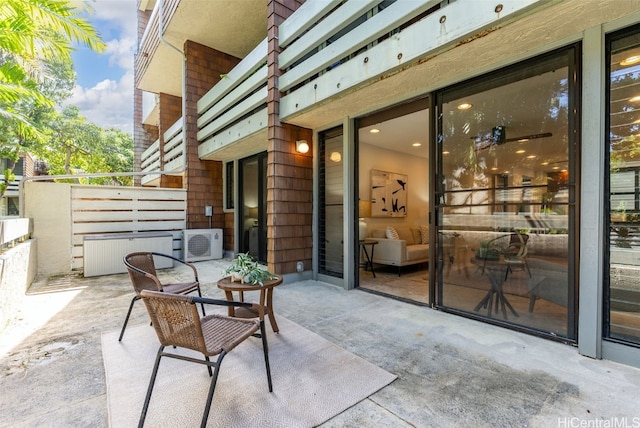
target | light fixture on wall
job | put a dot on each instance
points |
(302, 146)
(335, 157)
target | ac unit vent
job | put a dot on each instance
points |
(202, 244)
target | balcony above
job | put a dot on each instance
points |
(233, 27)
(232, 119)
(170, 158)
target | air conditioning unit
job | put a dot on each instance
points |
(202, 244)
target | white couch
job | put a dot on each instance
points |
(408, 250)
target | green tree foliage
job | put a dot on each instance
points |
(76, 146)
(36, 74)
(34, 35)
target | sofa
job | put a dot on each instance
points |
(407, 249)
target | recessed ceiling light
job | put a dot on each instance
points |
(631, 60)
(523, 140)
(556, 167)
(544, 163)
(563, 170)
(531, 157)
(445, 153)
(464, 106)
(506, 172)
(374, 130)
(416, 144)
(495, 168)
(520, 151)
(635, 99)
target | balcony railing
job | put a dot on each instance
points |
(150, 38)
(13, 189)
(333, 47)
(173, 154)
(236, 107)
(150, 161)
(174, 148)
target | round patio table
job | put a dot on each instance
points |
(266, 298)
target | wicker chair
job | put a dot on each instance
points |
(516, 253)
(178, 324)
(142, 272)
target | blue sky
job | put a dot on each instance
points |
(104, 86)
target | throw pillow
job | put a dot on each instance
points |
(424, 233)
(417, 236)
(391, 233)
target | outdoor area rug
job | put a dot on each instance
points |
(313, 380)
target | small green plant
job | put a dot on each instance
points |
(487, 251)
(247, 270)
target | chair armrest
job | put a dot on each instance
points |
(391, 249)
(256, 307)
(193, 268)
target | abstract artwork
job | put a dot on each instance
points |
(388, 194)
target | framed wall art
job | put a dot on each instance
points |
(388, 194)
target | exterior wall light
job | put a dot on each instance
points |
(302, 146)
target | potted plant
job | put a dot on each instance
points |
(487, 251)
(246, 270)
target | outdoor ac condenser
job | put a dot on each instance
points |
(202, 244)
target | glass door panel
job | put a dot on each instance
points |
(253, 191)
(331, 202)
(506, 196)
(623, 298)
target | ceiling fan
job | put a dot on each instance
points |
(499, 136)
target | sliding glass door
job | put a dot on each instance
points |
(505, 195)
(622, 299)
(253, 197)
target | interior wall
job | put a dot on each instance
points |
(416, 169)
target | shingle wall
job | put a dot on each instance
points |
(289, 174)
(203, 180)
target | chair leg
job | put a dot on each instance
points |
(206, 357)
(150, 389)
(265, 349)
(126, 320)
(212, 389)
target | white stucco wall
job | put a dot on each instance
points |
(49, 205)
(372, 157)
(17, 272)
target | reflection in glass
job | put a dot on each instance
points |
(624, 199)
(505, 191)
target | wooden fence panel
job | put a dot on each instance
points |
(111, 210)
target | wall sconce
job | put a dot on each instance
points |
(302, 146)
(335, 157)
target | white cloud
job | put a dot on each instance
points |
(120, 52)
(120, 14)
(108, 104)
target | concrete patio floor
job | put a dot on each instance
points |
(451, 370)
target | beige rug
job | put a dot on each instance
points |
(313, 380)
